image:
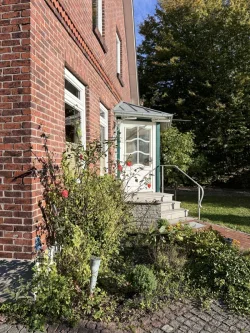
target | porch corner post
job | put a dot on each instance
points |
(158, 157)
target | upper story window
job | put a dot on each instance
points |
(74, 109)
(98, 22)
(119, 58)
(118, 54)
(97, 15)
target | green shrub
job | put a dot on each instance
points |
(143, 280)
(85, 215)
(219, 268)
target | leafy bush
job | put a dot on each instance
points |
(85, 215)
(176, 149)
(143, 280)
(220, 268)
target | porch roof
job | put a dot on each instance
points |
(131, 111)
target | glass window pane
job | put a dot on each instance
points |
(144, 159)
(72, 89)
(70, 133)
(131, 147)
(144, 133)
(144, 147)
(72, 124)
(102, 114)
(131, 133)
(132, 158)
(102, 137)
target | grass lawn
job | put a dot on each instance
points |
(231, 210)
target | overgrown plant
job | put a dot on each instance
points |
(85, 215)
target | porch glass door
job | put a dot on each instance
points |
(137, 148)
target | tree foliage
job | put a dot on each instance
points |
(176, 149)
(194, 62)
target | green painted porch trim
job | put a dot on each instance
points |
(158, 157)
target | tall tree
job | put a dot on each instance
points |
(195, 63)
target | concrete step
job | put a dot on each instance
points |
(185, 220)
(174, 214)
(165, 206)
(152, 196)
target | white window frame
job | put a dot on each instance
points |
(99, 14)
(77, 103)
(118, 54)
(104, 123)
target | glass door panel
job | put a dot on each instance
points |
(138, 144)
(144, 147)
(132, 158)
(144, 134)
(131, 133)
(144, 159)
(131, 147)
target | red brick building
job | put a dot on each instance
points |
(56, 55)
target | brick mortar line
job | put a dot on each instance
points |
(64, 18)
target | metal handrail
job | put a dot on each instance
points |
(200, 188)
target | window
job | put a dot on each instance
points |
(74, 109)
(97, 15)
(119, 58)
(98, 22)
(104, 138)
(138, 144)
(118, 54)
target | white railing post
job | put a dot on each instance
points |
(162, 178)
(200, 188)
(199, 203)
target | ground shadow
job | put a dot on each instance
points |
(233, 201)
(241, 220)
(10, 274)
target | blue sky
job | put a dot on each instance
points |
(141, 10)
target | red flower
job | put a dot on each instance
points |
(129, 163)
(120, 167)
(149, 185)
(80, 156)
(65, 193)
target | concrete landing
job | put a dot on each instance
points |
(11, 271)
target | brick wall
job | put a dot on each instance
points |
(39, 38)
(15, 133)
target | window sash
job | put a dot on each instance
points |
(99, 15)
(118, 54)
(77, 103)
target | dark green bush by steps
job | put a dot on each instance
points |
(220, 268)
(143, 280)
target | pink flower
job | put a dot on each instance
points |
(129, 163)
(120, 167)
(65, 193)
(80, 156)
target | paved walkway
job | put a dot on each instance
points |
(179, 317)
(240, 236)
